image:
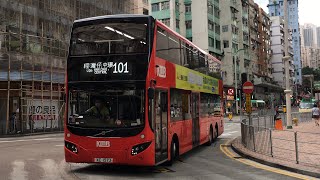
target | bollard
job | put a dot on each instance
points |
(295, 121)
(278, 125)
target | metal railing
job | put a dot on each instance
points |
(288, 145)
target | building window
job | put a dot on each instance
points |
(218, 45)
(188, 24)
(165, 5)
(216, 12)
(188, 8)
(217, 30)
(166, 21)
(225, 28)
(155, 7)
(210, 25)
(210, 8)
(211, 42)
(225, 44)
(178, 23)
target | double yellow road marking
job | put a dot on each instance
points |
(224, 148)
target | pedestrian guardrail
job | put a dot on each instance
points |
(258, 135)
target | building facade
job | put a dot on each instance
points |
(276, 9)
(277, 46)
(138, 6)
(309, 35)
(198, 21)
(34, 37)
(310, 57)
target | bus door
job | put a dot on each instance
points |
(195, 119)
(161, 124)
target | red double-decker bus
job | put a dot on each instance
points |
(138, 93)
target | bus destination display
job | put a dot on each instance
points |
(107, 68)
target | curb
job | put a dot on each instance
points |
(29, 134)
(275, 165)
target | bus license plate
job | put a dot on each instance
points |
(103, 160)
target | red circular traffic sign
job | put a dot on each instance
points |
(231, 92)
(247, 87)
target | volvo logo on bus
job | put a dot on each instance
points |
(161, 71)
(103, 144)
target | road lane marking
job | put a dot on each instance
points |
(228, 133)
(59, 145)
(227, 152)
(51, 169)
(18, 171)
(26, 140)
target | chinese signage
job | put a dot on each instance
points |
(230, 98)
(248, 103)
(192, 80)
(42, 114)
(106, 67)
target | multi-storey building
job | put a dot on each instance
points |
(235, 38)
(34, 37)
(277, 46)
(309, 35)
(246, 45)
(318, 36)
(276, 9)
(260, 54)
(310, 57)
(199, 21)
(138, 6)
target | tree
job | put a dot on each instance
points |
(307, 70)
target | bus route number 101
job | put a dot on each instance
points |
(120, 68)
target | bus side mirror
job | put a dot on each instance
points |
(151, 93)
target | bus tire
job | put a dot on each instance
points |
(210, 141)
(216, 133)
(174, 152)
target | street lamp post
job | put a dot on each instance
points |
(236, 81)
(286, 59)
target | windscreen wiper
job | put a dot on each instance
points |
(103, 132)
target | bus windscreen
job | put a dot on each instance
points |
(106, 108)
(109, 38)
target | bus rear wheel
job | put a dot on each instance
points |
(210, 141)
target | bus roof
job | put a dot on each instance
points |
(148, 16)
(112, 17)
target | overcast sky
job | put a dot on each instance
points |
(309, 11)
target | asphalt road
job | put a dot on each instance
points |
(41, 157)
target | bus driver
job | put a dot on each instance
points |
(99, 110)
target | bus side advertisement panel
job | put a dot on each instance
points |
(192, 80)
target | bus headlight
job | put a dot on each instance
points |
(139, 148)
(72, 147)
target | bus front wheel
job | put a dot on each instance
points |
(174, 152)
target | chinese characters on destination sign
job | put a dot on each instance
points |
(106, 67)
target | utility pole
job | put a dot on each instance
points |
(286, 60)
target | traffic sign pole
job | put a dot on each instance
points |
(248, 89)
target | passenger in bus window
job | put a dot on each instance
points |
(99, 110)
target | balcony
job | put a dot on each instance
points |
(245, 28)
(233, 3)
(234, 37)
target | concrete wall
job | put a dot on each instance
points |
(200, 24)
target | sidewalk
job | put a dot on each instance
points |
(302, 157)
(235, 119)
(29, 134)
